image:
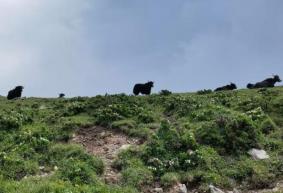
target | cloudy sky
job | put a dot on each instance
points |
(89, 47)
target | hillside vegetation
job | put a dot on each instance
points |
(196, 139)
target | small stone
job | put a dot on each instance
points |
(109, 156)
(105, 148)
(111, 179)
(42, 107)
(41, 167)
(258, 154)
(157, 190)
(103, 134)
(182, 188)
(190, 152)
(124, 147)
(235, 191)
(213, 189)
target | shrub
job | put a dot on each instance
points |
(14, 167)
(181, 106)
(75, 108)
(203, 92)
(170, 179)
(106, 116)
(146, 117)
(267, 126)
(230, 133)
(128, 158)
(207, 159)
(76, 172)
(11, 121)
(137, 176)
(165, 92)
(58, 154)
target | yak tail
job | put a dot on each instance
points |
(250, 86)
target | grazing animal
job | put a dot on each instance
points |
(61, 95)
(165, 92)
(15, 93)
(231, 86)
(269, 82)
(143, 88)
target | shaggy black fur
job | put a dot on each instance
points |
(231, 86)
(269, 82)
(15, 93)
(143, 88)
(61, 95)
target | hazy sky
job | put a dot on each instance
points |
(89, 47)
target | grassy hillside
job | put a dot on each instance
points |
(196, 139)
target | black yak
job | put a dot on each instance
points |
(165, 92)
(61, 95)
(143, 88)
(231, 86)
(269, 82)
(15, 93)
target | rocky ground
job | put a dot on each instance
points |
(106, 144)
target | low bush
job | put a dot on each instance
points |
(232, 133)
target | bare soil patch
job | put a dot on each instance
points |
(106, 144)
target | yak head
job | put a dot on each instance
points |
(276, 78)
(19, 88)
(150, 84)
(233, 85)
(61, 95)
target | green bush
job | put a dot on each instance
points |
(230, 133)
(146, 117)
(137, 176)
(58, 154)
(203, 92)
(267, 126)
(181, 106)
(77, 172)
(75, 108)
(165, 92)
(106, 116)
(15, 168)
(11, 121)
(170, 179)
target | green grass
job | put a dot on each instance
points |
(193, 138)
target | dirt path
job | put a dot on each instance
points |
(277, 189)
(106, 144)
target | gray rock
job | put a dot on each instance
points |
(258, 154)
(124, 147)
(157, 190)
(213, 189)
(236, 191)
(182, 188)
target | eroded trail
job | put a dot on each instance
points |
(106, 144)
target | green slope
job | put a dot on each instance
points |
(195, 139)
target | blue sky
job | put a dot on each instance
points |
(89, 47)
